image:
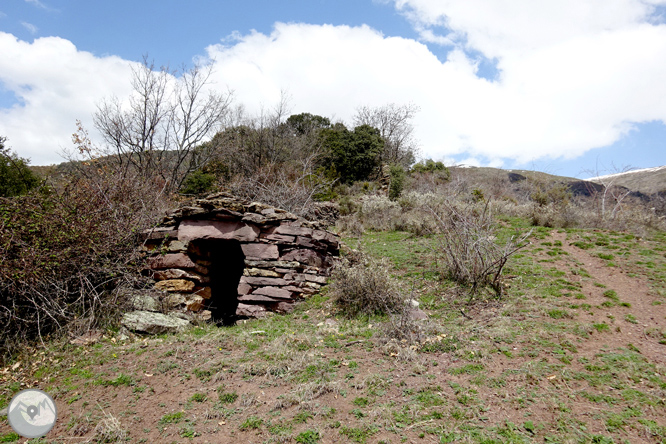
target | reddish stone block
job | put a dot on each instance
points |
(250, 311)
(293, 289)
(257, 298)
(279, 238)
(260, 251)
(176, 260)
(283, 307)
(293, 231)
(310, 278)
(244, 288)
(273, 292)
(304, 256)
(252, 280)
(325, 236)
(217, 229)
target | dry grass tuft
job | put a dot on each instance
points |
(365, 288)
(110, 430)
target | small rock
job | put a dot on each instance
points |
(145, 303)
(258, 272)
(174, 300)
(153, 323)
(417, 314)
(175, 285)
(413, 303)
(194, 303)
(250, 311)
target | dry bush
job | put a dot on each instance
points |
(350, 225)
(365, 288)
(401, 326)
(468, 245)
(287, 188)
(67, 251)
(378, 213)
(382, 214)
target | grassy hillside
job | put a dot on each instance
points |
(574, 351)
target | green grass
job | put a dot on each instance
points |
(227, 397)
(9, 437)
(251, 423)
(172, 418)
(308, 437)
(198, 397)
(359, 434)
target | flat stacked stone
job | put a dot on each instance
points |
(286, 257)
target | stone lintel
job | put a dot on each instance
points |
(190, 229)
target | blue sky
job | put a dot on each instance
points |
(563, 86)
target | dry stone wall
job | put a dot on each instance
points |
(285, 257)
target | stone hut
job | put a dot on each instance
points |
(222, 257)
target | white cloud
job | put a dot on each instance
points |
(32, 29)
(573, 75)
(37, 3)
(572, 92)
(56, 84)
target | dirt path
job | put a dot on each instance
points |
(631, 290)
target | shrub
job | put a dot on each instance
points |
(15, 176)
(469, 248)
(198, 182)
(397, 182)
(365, 288)
(68, 251)
(284, 187)
(430, 166)
(379, 213)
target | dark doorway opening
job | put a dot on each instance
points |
(225, 262)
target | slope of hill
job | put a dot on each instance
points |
(646, 181)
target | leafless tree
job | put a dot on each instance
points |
(610, 196)
(157, 131)
(395, 126)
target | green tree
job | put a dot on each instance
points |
(306, 123)
(355, 155)
(394, 123)
(15, 176)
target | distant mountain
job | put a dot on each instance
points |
(647, 181)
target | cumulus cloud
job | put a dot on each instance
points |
(55, 84)
(572, 75)
(560, 92)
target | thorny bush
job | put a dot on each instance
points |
(468, 245)
(67, 251)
